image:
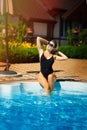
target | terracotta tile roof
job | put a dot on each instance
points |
(31, 10)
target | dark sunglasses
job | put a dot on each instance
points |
(51, 44)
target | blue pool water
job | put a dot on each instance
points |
(24, 106)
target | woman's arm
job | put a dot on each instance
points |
(61, 56)
(40, 42)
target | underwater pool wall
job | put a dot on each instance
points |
(35, 87)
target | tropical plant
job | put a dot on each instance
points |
(83, 36)
(21, 31)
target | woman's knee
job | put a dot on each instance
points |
(51, 81)
(52, 77)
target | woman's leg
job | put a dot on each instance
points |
(51, 80)
(43, 81)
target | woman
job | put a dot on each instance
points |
(46, 76)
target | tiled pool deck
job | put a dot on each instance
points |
(71, 69)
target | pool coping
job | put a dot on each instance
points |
(35, 80)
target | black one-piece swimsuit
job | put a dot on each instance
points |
(46, 65)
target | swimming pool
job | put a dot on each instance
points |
(24, 106)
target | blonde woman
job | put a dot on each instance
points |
(46, 76)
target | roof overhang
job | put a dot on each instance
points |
(77, 12)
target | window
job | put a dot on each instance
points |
(40, 29)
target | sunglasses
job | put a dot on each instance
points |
(52, 45)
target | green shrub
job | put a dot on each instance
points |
(79, 52)
(19, 54)
(23, 55)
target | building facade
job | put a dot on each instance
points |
(51, 18)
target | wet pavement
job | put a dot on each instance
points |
(67, 70)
